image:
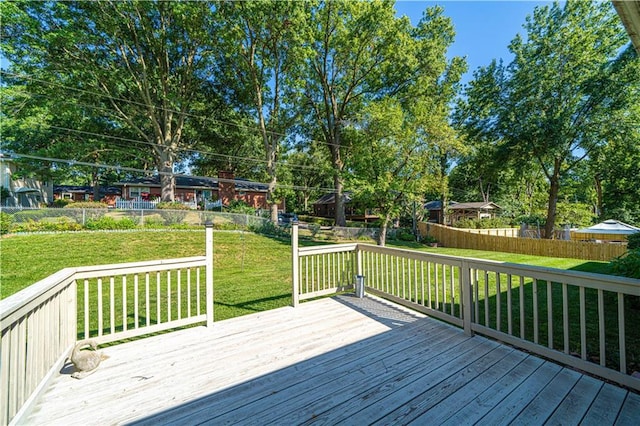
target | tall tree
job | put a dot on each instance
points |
(550, 105)
(360, 54)
(405, 139)
(142, 63)
(263, 47)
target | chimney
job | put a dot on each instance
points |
(226, 187)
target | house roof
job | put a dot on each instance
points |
(610, 226)
(197, 183)
(475, 206)
(437, 205)
(86, 189)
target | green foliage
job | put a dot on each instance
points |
(627, 265)
(429, 239)
(577, 215)
(4, 193)
(172, 205)
(109, 223)
(268, 228)
(25, 215)
(62, 202)
(496, 222)
(633, 241)
(321, 221)
(5, 222)
(537, 220)
(241, 207)
(173, 213)
(87, 205)
(405, 234)
(573, 53)
(61, 224)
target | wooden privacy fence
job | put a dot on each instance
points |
(583, 320)
(40, 324)
(452, 237)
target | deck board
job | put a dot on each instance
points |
(341, 360)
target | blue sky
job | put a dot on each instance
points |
(484, 29)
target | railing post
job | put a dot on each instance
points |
(295, 264)
(208, 227)
(467, 291)
(358, 260)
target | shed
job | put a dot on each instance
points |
(477, 210)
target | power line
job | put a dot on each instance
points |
(161, 173)
(195, 151)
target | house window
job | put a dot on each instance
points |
(136, 191)
(67, 196)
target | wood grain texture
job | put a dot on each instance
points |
(341, 360)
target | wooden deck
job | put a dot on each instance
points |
(333, 361)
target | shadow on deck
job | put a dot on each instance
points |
(338, 360)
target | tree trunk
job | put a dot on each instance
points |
(554, 188)
(95, 184)
(382, 237)
(340, 217)
(167, 179)
(598, 182)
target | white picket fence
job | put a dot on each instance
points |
(40, 324)
(135, 204)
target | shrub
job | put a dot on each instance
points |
(239, 206)
(172, 212)
(496, 222)
(633, 241)
(86, 210)
(87, 205)
(268, 228)
(61, 224)
(405, 235)
(26, 215)
(172, 205)
(61, 202)
(628, 264)
(110, 223)
(5, 222)
(429, 239)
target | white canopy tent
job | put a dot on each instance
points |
(610, 226)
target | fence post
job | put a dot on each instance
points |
(467, 291)
(295, 264)
(208, 227)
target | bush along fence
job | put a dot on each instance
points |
(452, 237)
(579, 319)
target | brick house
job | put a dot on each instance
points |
(190, 189)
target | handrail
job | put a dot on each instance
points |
(40, 324)
(577, 318)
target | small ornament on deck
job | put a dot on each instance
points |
(86, 358)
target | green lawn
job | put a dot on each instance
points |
(251, 272)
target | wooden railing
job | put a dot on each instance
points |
(583, 320)
(41, 324)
